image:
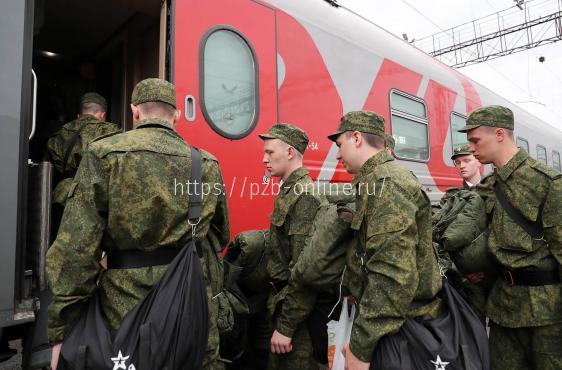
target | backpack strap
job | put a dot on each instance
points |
(71, 145)
(532, 228)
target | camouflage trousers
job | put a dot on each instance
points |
(301, 357)
(526, 348)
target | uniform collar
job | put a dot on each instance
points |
(154, 122)
(88, 118)
(512, 164)
(368, 167)
(294, 177)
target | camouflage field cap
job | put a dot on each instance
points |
(389, 141)
(154, 89)
(92, 97)
(491, 115)
(289, 134)
(362, 121)
(461, 150)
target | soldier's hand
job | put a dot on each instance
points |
(280, 343)
(352, 362)
(55, 355)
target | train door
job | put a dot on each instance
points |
(224, 69)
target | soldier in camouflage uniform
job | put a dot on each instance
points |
(468, 166)
(394, 263)
(291, 225)
(66, 147)
(125, 196)
(390, 143)
(525, 303)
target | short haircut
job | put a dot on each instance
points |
(492, 130)
(375, 141)
(91, 108)
(157, 109)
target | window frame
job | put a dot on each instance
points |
(453, 113)
(559, 168)
(545, 154)
(410, 117)
(202, 103)
(528, 149)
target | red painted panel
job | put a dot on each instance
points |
(240, 160)
(440, 101)
(307, 96)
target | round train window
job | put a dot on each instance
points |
(230, 98)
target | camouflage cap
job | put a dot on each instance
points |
(154, 89)
(461, 150)
(491, 115)
(389, 141)
(289, 134)
(92, 97)
(362, 121)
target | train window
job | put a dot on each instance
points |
(556, 161)
(458, 121)
(541, 154)
(409, 126)
(523, 144)
(229, 83)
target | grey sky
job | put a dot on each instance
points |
(521, 78)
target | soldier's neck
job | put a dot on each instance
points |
(505, 156)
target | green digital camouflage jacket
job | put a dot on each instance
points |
(529, 186)
(130, 193)
(392, 226)
(58, 144)
(291, 225)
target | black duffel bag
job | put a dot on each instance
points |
(456, 340)
(167, 330)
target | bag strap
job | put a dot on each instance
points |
(71, 145)
(532, 228)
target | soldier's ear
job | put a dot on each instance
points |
(176, 118)
(290, 152)
(136, 112)
(102, 116)
(357, 138)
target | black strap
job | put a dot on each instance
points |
(532, 228)
(136, 259)
(71, 144)
(81, 358)
(163, 256)
(145, 354)
(531, 278)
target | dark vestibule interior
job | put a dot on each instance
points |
(105, 46)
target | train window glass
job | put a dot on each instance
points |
(556, 161)
(409, 126)
(458, 121)
(229, 83)
(541, 154)
(408, 105)
(523, 144)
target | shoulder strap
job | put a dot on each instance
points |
(195, 188)
(532, 228)
(72, 144)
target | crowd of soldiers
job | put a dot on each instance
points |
(116, 193)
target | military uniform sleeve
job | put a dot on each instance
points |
(552, 220)
(55, 151)
(300, 299)
(214, 212)
(390, 261)
(73, 259)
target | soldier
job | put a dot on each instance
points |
(394, 263)
(125, 197)
(65, 149)
(468, 166)
(525, 302)
(291, 225)
(390, 143)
